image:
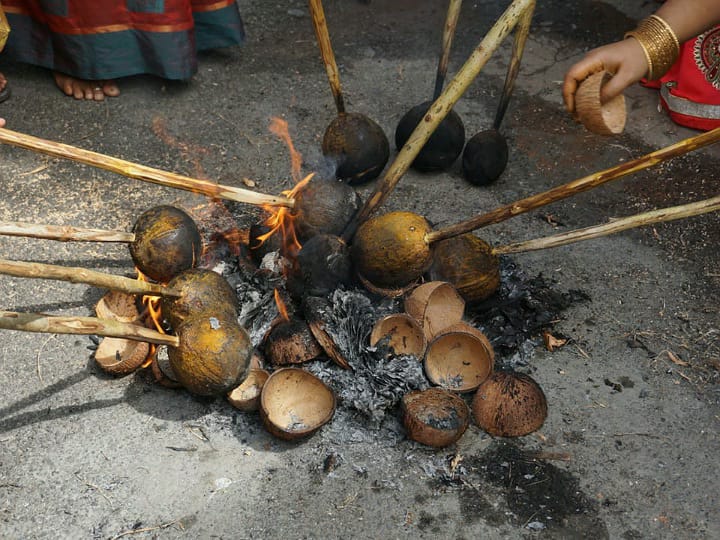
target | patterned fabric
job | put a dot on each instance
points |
(690, 90)
(108, 39)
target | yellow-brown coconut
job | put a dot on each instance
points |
(212, 356)
(435, 417)
(390, 251)
(509, 404)
(468, 263)
(295, 403)
(200, 290)
(167, 241)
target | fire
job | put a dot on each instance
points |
(282, 308)
(152, 304)
(280, 218)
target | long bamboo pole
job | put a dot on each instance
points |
(646, 218)
(75, 274)
(521, 35)
(141, 172)
(580, 185)
(63, 233)
(39, 322)
(440, 109)
(451, 19)
(326, 51)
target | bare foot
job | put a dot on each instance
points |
(82, 89)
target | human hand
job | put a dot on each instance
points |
(2, 122)
(624, 59)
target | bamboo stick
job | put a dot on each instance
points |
(140, 172)
(62, 233)
(39, 322)
(326, 51)
(646, 218)
(521, 35)
(576, 186)
(439, 109)
(82, 275)
(453, 13)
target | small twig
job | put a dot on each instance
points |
(37, 358)
(203, 437)
(148, 529)
(96, 488)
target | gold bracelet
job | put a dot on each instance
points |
(659, 43)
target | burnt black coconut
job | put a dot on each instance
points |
(358, 146)
(485, 157)
(444, 145)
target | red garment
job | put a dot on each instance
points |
(690, 91)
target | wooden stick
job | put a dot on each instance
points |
(576, 186)
(140, 172)
(521, 35)
(439, 109)
(39, 322)
(638, 220)
(326, 51)
(63, 233)
(451, 19)
(82, 275)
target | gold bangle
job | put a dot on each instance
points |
(659, 43)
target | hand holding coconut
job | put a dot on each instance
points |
(649, 51)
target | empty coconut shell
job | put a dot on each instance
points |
(435, 417)
(509, 404)
(167, 241)
(404, 333)
(212, 356)
(458, 361)
(117, 306)
(468, 263)
(464, 327)
(602, 118)
(435, 305)
(119, 356)
(291, 342)
(295, 403)
(246, 397)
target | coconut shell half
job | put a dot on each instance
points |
(458, 361)
(509, 404)
(435, 305)
(602, 118)
(403, 332)
(435, 417)
(295, 403)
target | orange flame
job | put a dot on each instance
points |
(280, 218)
(279, 127)
(152, 304)
(282, 308)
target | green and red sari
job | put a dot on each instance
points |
(109, 39)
